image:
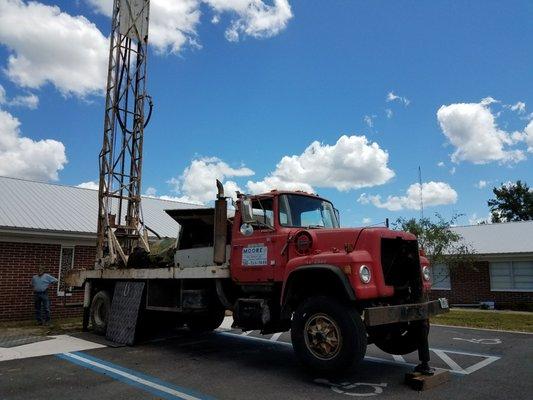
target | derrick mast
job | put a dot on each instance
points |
(120, 223)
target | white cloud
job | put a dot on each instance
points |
(475, 220)
(29, 100)
(366, 221)
(393, 97)
(471, 128)
(441, 164)
(519, 107)
(481, 184)
(22, 157)
(487, 101)
(253, 18)
(433, 194)
(369, 120)
(174, 24)
(275, 182)
(388, 113)
(528, 132)
(88, 185)
(47, 45)
(351, 163)
(197, 183)
(150, 191)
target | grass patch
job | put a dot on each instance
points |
(30, 327)
(509, 321)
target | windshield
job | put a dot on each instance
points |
(305, 211)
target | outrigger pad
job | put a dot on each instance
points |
(419, 381)
(124, 314)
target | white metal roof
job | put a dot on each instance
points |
(506, 237)
(50, 207)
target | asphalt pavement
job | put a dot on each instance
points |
(231, 364)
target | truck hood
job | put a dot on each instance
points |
(336, 240)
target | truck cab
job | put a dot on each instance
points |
(277, 235)
(290, 258)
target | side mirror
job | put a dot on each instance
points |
(247, 214)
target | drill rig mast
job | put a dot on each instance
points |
(120, 224)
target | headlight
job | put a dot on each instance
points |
(426, 273)
(364, 274)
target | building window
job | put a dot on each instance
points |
(514, 276)
(440, 277)
(66, 262)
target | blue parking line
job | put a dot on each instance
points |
(133, 378)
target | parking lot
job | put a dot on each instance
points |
(231, 364)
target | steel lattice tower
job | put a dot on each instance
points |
(120, 225)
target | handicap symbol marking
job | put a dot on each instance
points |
(480, 341)
(360, 389)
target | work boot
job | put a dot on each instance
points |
(425, 369)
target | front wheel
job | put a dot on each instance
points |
(326, 335)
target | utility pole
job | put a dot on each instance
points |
(120, 225)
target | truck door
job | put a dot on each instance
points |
(253, 257)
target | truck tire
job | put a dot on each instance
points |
(400, 339)
(100, 309)
(206, 322)
(327, 336)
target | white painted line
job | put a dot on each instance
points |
(133, 378)
(452, 364)
(454, 367)
(398, 358)
(482, 329)
(481, 364)
(59, 344)
(480, 341)
(242, 335)
(275, 336)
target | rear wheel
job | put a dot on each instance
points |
(401, 338)
(327, 335)
(100, 308)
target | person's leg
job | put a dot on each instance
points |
(37, 304)
(46, 306)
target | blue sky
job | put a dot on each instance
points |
(313, 74)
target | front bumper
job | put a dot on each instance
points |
(405, 312)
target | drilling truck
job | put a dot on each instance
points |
(278, 261)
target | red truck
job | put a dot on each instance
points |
(281, 262)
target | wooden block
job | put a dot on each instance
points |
(420, 382)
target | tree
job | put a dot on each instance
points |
(513, 202)
(440, 243)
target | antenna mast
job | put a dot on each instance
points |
(421, 196)
(120, 227)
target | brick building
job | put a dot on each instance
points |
(503, 273)
(54, 226)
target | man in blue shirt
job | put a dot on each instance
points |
(40, 285)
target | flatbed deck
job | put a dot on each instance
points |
(77, 278)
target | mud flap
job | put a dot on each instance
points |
(124, 313)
